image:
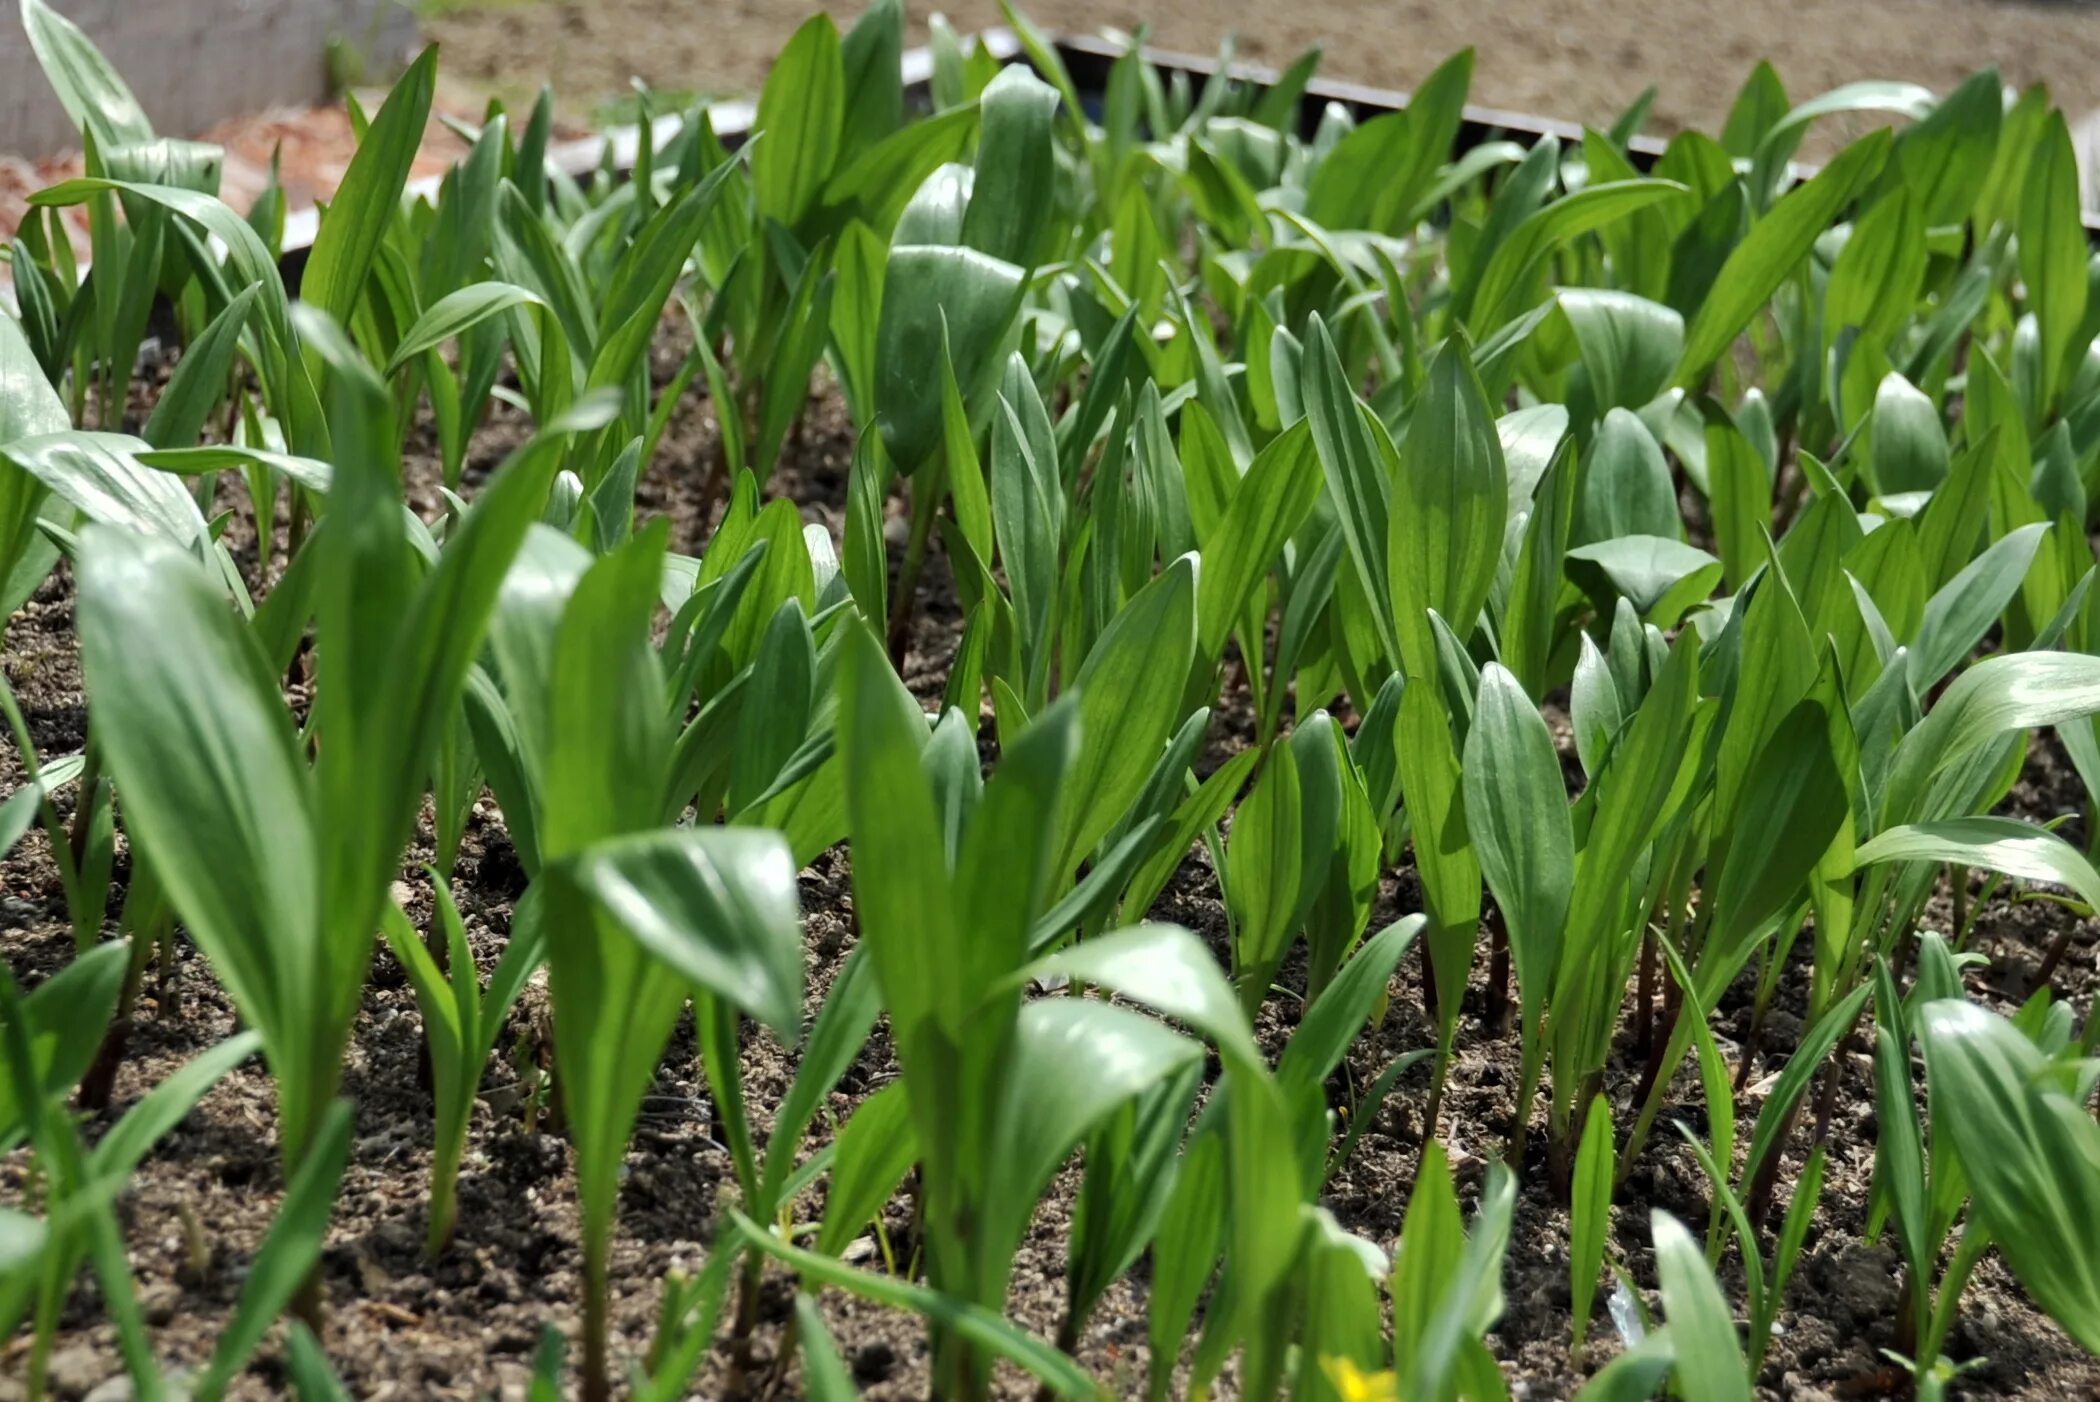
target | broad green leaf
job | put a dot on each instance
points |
(807, 330)
(1626, 488)
(1594, 707)
(716, 905)
(28, 403)
(1998, 695)
(800, 115)
(1629, 346)
(1449, 502)
(2030, 1152)
(881, 179)
(1431, 782)
(1495, 299)
(99, 473)
(1130, 689)
(1899, 1144)
(864, 562)
(876, 1148)
(1185, 1249)
(1266, 510)
(1168, 970)
(1517, 815)
(88, 87)
(1946, 155)
(1355, 473)
(63, 1021)
(1531, 437)
(1662, 578)
(1874, 283)
(1590, 1213)
(1531, 607)
(1028, 510)
(1348, 186)
(215, 793)
(928, 294)
(871, 57)
(1958, 616)
(364, 205)
(1263, 871)
(1772, 251)
(856, 312)
(456, 313)
(2004, 845)
(1784, 136)
(1702, 1327)
(1760, 104)
(1016, 181)
(1909, 440)
(1074, 1060)
(1789, 811)
(2053, 250)
(1432, 1236)
(900, 878)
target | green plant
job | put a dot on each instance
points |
(215, 787)
(2016, 1122)
(1000, 1090)
(461, 1022)
(1296, 483)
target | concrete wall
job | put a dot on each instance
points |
(195, 62)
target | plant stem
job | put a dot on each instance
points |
(1429, 990)
(597, 1374)
(1644, 997)
(1974, 1242)
(1498, 1004)
(1958, 883)
(1533, 1058)
(1759, 1203)
(1752, 1041)
(101, 1078)
(925, 505)
(1435, 1108)
(2046, 970)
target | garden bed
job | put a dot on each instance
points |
(468, 1325)
(1507, 269)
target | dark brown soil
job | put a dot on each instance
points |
(466, 1325)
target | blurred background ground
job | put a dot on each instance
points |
(1583, 60)
(1579, 59)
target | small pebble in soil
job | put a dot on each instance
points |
(159, 1301)
(76, 1369)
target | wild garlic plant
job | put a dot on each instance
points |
(1635, 582)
